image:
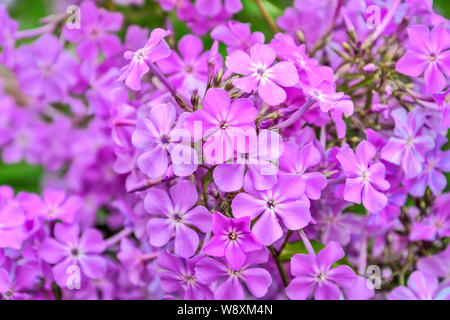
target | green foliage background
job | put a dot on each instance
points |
(28, 12)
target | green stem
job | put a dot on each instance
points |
(280, 266)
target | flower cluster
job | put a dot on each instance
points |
(310, 162)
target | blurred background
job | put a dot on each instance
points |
(22, 176)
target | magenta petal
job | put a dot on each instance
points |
(300, 288)
(52, 251)
(344, 276)
(284, 73)
(93, 266)
(230, 289)
(271, 92)
(401, 293)
(329, 255)
(239, 62)
(267, 229)
(257, 281)
(184, 196)
(186, 241)
(4, 281)
(154, 162)
(353, 189)
(235, 256)
(208, 8)
(295, 214)
(245, 205)
(199, 217)
(91, 241)
(228, 177)
(412, 64)
(209, 270)
(160, 231)
(373, 200)
(215, 247)
(327, 290)
(434, 79)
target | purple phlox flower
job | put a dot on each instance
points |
(428, 52)
(176, 212)
(436, 225)
(320, 86)
(364, 180)
(437, 265)
(211, 8)
(96, 32)
(7, 36)
(155, 49)
(259, 73)
(229, 280)
(189, 70)
(307, 16)
(237, 36)
(288, 50)
(179, 274)
(359, 291)
(380, 221)
(54, 205)
(11, 220)
(156, 135)
(285, 201)
(46, 71)
(298, 160)
(408, 147)
(421, 286)
(333, 223)
(258, 156)
(16, 279)
(68, 251)
(435, 162)
(102, 89)
(221, 122)
(134, 262)
(232, 239)
(443, 101)
(314, 275)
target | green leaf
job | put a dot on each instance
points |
(21, 176)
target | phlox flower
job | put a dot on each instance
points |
(237, 36)
(50, 71)
(364, 180)
(314, 275)
(16, 280)
(189, 69)
(229, 280)
(156, 135)
(95, 32)
(285, 201)
(421, 286)
(221, 123)
(175, 214)
(408, 147)
(155, 49)
(297, 161)
(253, 163)
(428, 53)
(259, 73)
(67, 250)
(11, 220)
(54, 205)
(179, 274)
(211, 8)
(232, 239)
